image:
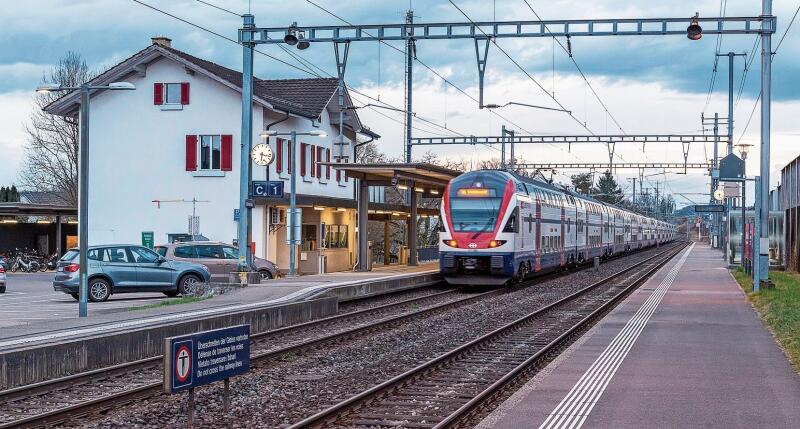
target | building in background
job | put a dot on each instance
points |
(177, 139)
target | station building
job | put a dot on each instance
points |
(171, 148)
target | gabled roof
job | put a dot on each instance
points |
(302, 97)
(40, 197)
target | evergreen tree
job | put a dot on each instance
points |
(3, 194)
(13, 194)
(608, 190)
(582, 183)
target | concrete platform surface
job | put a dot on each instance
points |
(685, 350)
(28, 317)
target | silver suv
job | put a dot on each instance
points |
(220, 258)
(122, 268)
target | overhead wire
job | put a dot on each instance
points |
(774, 53)
(300, 59)
(723, 5)
(429, 68)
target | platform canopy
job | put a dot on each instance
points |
(432, 179)
(420, 178)
(25, 209)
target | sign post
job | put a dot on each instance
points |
(205, 357)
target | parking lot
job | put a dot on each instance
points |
(30, 298)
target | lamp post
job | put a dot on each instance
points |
(83, 180)
(293, 188)
(743, 149)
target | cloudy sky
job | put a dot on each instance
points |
(648, 84)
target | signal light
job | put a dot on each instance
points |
(694, 31)
(71, 268)
(451, 243)
(496, 243)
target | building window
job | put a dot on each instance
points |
(172, 93)
(336, 236)
(210, 152)
(308, 235)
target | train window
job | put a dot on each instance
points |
(521, 188)
(512, 225)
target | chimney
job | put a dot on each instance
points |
(162, 40)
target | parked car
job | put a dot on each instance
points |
(4, 263)
(2, 279)
(125, 268)
(220, 258)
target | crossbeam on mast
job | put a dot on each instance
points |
(616, 165)
(568, 139)
(507, 29)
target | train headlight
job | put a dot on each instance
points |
(451, 243)
(496, 243)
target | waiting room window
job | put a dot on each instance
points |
(336, 237)
(308, 234)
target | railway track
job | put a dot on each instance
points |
(457, 386)
(67, 398)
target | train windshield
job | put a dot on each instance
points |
(475, 200)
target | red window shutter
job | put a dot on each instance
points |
(191, 153)
(184, 92)
(313, 161)
(158, 94)
(227, 153)
(319, 162)
(279, 155)
(327, 167)
(302, 159)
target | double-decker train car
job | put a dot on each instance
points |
(498, 226)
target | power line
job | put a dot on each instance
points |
(429, 68)
(774, 53)
(309, 72)
(572, 58)
(522, 69)
(723, 5)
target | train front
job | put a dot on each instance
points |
(474, 249)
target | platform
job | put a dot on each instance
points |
(55, 322)
(685, 350)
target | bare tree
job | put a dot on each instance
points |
(51, 153)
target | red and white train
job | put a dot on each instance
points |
(499, 226)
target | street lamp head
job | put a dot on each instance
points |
(48, 87)
(302, 44)
(492, 106)
(319, 133)
(121, 86)
(269, 133)
(744, 148)
(694, 31)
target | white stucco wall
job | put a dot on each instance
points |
(137, 155)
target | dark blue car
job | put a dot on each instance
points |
(125, 268)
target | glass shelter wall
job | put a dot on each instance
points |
(776, 237)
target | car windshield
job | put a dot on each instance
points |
(475, 200)
(70, 255)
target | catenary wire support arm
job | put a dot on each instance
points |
(565, 139)
(342, 49)
(513, 29)
(481, 54)
(618, 165)
(612, 146)
(685, 147)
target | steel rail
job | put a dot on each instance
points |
(66, 381)
(152, 389)
(334, 412)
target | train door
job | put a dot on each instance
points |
(538, 235)
(563, 237)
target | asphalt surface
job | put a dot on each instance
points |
(30, 298)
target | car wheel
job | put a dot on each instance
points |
(188, 284)
(265, 275)
(171, 294)
(99, 290)
(75, 296)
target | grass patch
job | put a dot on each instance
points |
(779, 308)
(173, 301)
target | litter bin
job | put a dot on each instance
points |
(369, 255)
(323, 264)
(403, 257)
